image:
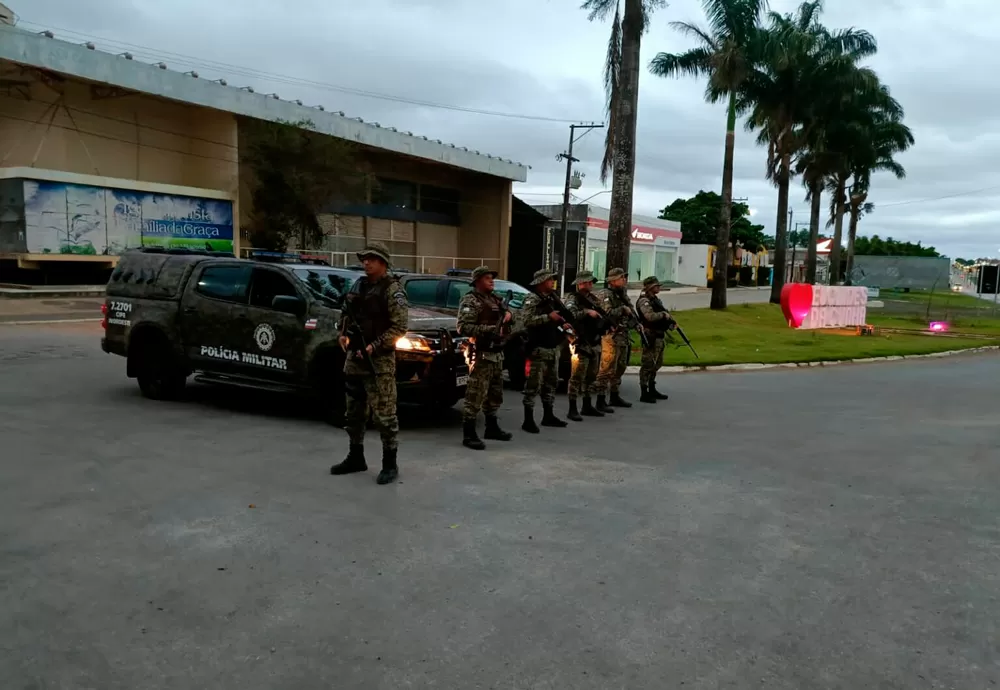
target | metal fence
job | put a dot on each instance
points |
(416, 263)
(902, 272)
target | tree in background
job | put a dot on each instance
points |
(293, 174)
(699, 216)
(876, 246)
(722, 57)
(793, 66)
(621, 80)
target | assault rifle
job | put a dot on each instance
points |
(565, 325)
(680, 332)
(632, 323)
(354, 332)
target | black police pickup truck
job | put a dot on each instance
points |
(273, 326)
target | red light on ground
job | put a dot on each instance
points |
(938, 326)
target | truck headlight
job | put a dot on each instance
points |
(411, 342)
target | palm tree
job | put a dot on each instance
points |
(621, 81)
(792, 66)
(722, 57)
(867, 110)
(885, 137)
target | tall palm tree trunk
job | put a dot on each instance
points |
(627, 110)
(720, 273)
(838, 231)
(816, 198)
(852, 233)
(781, 232)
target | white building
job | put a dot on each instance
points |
(653, 250)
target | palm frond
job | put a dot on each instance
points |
(612, 86)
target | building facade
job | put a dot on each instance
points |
(653, 249)
(102, 152)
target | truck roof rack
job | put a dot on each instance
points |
(286, 258)
(183, 251)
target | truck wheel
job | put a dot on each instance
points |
(158, 374)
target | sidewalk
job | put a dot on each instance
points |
(55, 309)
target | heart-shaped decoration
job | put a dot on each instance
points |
(796, 302)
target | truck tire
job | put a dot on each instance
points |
(159, 375)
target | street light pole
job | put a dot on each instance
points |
(564, 230)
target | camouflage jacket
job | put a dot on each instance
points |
(653, 314)
(478, 317)
(384, 343)
(616, 308)
(587, 327)
(543, 332)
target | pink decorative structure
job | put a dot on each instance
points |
(823, 306)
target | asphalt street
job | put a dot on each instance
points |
(819, 528)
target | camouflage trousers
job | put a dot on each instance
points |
(615, 351)
(379, 392)
(543, 376)
(586, 364)
(485, 389)
(652, 360)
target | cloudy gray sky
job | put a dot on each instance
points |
(542, 58)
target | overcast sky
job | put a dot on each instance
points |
(544, 59)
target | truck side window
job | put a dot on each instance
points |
(267, 285)
(423, 291)
(227, 283)
(456, 291)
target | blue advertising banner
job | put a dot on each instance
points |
(63, 218)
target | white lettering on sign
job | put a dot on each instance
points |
(119, 306)
(245, 357)
(638, 234)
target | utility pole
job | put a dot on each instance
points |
(792, 236)
(564, 230)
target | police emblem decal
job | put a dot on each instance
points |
(400, 299)
(264, 336)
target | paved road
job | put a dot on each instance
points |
(827, 529)
(701, 300)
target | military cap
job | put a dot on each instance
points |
(541, 275)
(376, 249)
(584, 277)
(480, 272)
(616, 273)
(651, 281)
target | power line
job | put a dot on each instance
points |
(187, 60)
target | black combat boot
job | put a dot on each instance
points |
(354, 462)
(617, 401)
(574, 413)
(549, 418)
(470, 439)
(389, 468)
(655, 393)
(529, 421)
(493, 430)
(602, 405)
(588, 408)
(646, 395)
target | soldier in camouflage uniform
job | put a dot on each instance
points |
(485, 319)
(380, 311)
(589, 326)
(656, 321)
(616, 345)
(542, 323)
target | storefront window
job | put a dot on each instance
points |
(640, 264)
(597, 263)
(664, 266)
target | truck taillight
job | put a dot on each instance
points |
(104, 313)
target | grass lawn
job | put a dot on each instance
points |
(759, 333)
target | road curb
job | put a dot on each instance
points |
(751, 366)
(42, 322)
